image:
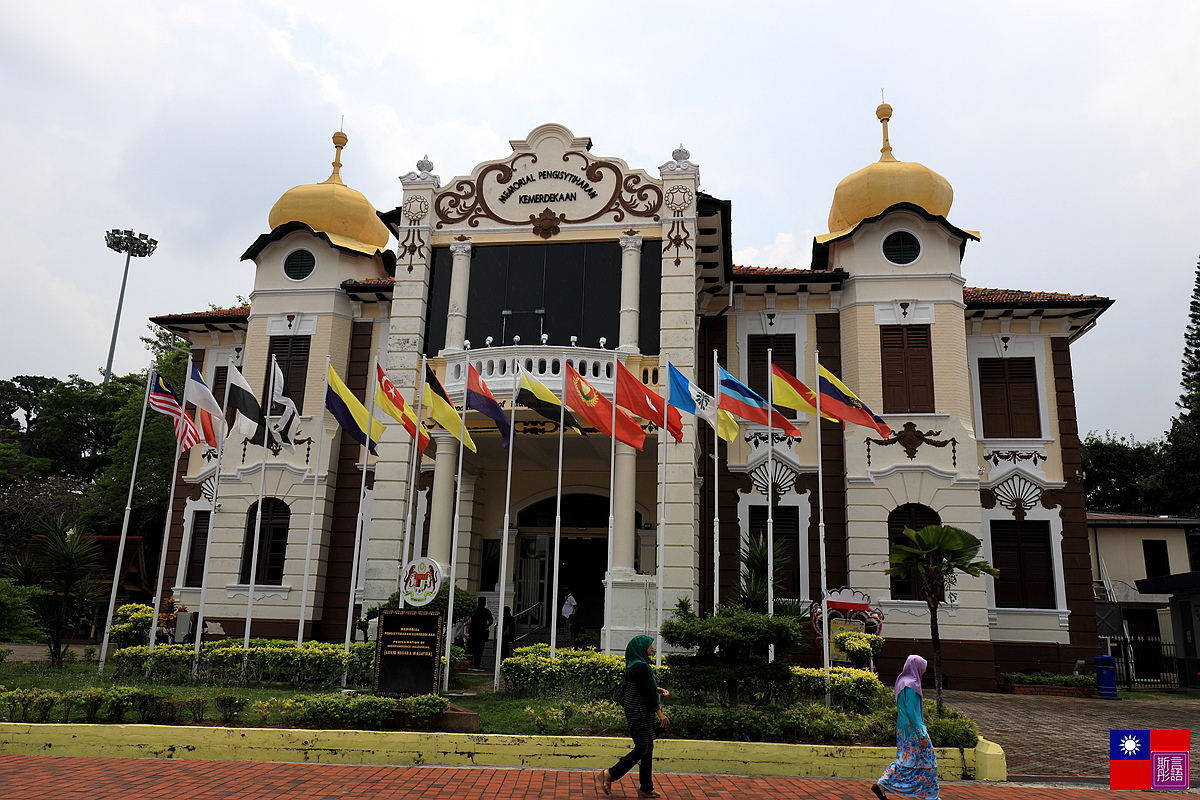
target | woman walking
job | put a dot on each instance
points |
(914, 772)
(641, 701)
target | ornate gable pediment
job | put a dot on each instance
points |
(550, 181)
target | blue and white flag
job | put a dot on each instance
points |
(690, 398)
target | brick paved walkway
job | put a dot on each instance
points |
(58, 778)
(1068, 736)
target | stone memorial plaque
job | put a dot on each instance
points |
(408, 650)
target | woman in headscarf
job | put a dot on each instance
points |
(914, 772)
(641, 706)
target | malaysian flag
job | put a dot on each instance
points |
(164, 400)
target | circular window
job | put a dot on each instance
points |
(901, 247)
(299, 264)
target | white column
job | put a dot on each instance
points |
(624, 512)
(624, 489)
(631, 271)
(441, 512)
(460, 282)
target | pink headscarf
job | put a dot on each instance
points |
(910, 676)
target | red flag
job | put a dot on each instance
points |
(388, 398)
(633, 395)
(596, 410)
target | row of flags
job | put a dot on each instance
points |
(737, 401)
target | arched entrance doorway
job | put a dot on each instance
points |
(582, 556)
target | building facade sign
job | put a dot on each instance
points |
(550, 180)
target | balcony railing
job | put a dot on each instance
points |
(498, 366)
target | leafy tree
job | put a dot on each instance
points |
(16, 615)
(1190, 378)
(60, 562)
(1121, 474)
(933, 560)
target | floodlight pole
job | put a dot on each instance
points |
(131, 245)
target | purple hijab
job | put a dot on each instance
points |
(910, 676)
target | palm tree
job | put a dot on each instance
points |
(933, 560)
(60, 563)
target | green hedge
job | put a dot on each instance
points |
(155, 706)
(590, 674)
(265, 661)
(1039, 678)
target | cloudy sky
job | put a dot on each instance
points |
(1067, 130)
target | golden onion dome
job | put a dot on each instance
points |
(879, 186)
(333, 208)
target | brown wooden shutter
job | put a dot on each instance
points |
(1006, 557)
(915, 516)
(272, 542)
(1008, 398)
(783, 354)
(895, 388)
(918, 356)
(291, 353)
(787, 541)
(1026, 421)
(1021, 551)
(199, 544)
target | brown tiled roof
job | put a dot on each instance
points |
(780, 271)
(370, 282)
(241, 312)
(974, 295)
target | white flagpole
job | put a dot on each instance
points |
(716, 493)
(462, 433)
(112, 596)
(269, 401)
(162, 558)
(562, 421)
(412, 480)
(312, 514)
(612, 478)
(821, 532)
(662, 517)
(361, 522)
(199, 630)
(512, 445)
(770, 497)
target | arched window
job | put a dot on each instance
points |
(909, 515)
(272, 542)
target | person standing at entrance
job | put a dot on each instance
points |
(641, 706)
(568, 610)
(481, 624)
(914, 772)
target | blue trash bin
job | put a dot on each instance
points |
(1106, 677)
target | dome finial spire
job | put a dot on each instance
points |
(339, 141)
(884, 112)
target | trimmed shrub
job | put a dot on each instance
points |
(131, 625)
(155, 707)
(1049, 679)
(424, 709)
(585, 673)
(370, 713)
(703, 680)
(193, 708)
(229, 707)
(266, 661)
(861, 648)
(117, 702)
(852, 690)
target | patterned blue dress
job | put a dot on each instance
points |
(914, 772)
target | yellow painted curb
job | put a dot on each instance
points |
(985, 762)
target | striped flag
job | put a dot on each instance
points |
(164, 400)
(389, 400)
